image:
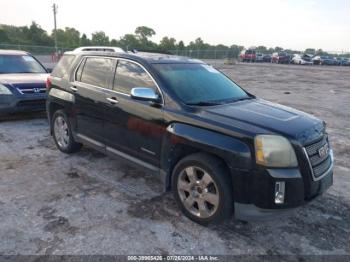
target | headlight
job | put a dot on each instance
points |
(274, 151)
(4, 90)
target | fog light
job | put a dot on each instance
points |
(279, 192)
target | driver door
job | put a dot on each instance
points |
(133, 127)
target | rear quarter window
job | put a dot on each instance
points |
(61, 70)
(80, 70)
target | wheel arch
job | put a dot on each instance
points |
(58, 99)
(182, 140)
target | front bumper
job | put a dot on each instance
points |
(22, 103)
(257, 200)
(250, 212)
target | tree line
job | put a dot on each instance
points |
(69, 38)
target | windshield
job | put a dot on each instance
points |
(200, 83)
(14, 64)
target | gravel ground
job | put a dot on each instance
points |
(88, 203)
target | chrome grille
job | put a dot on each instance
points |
(316, 159)
(323, 167)
(313, 148)
(319, 165)
(32, 90)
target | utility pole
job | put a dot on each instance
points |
(54, 8)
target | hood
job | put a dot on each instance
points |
(260, 116)
(19, 79)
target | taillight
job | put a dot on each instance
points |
(48, 83)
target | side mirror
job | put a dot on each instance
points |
(49, 70)
(144, 94)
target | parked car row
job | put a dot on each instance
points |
(298, 59)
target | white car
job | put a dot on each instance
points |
(301, 60)
(259, 57)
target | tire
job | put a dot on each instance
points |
(202, 189)
(62, 133)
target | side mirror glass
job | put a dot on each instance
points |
(144, 94)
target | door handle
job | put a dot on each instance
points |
(112, 100)
(73, 88)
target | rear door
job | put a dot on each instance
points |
(133, 127)
(93, 76)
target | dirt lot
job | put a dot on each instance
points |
(88, 203)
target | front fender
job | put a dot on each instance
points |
(233, 151)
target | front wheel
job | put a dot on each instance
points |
(62, 133)
(203, 189)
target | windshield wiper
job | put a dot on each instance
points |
(204, 103)
(242, 98)
(217, 102)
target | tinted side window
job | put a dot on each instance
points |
(97, 71)
(130, 75)
(62, 68)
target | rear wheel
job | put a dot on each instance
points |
(203, 189)
(62, 133)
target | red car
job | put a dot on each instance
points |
(281, 58)
(248, 55)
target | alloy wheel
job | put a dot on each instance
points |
(198, 192)
(61, 132)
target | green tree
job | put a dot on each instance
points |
(144, 33)
(270, 50)
(3, 36)
(181, 45)
(14, 34)
(321, 52)
(197, 44)
(278, 49)
(61, 37)
(114, 42)
(36, 35)
(262, 49)
(72, 37)
(129, 42)
(167, 43)
(99, 38)
(235, 50)
(311, 51)
(84, 41)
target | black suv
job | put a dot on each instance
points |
(220, 149)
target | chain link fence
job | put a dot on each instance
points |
(200, 54)
(34, 49)
(207, 54)
(45, 54)
(48, 54)
(193, 53)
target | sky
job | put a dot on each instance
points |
(295, 24)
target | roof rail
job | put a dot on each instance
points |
(99, 48)
(164, 52)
